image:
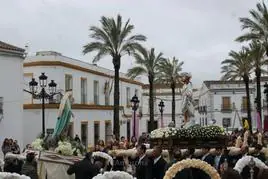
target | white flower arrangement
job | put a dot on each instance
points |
(79, 154)
(192, 163)
(240, 164)
(37, 144)
(103, 155)
(191, 132)
(6, 175)
(114, 175)
(162, 132)
(64, 148)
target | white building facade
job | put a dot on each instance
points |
(92, 89)
(11, 94)
(224, 103)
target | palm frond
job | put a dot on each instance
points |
(113, 38)
(136, 71)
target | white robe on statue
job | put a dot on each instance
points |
(187, 104)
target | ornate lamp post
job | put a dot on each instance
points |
(135, 105)
(33, 85)
(161, 106)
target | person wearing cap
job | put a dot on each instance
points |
(84, 169)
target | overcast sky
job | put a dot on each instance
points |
(198, 32)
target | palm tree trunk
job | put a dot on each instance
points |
(173, 104)
(246, 81)
(258, 98)
(151, 103)
(116, 127)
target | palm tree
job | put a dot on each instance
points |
(257, 26)
(113, 38)
(147, 64)
(258, 60)
(239, 66)
(170, 75)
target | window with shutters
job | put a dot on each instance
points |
(128, 103)
(226, 104)
(96, 132)
(83, 90)
(244, 104)
(68, 83)
(96, 92)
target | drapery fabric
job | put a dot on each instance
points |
(53, 171)
(258, 121)
(65, 114)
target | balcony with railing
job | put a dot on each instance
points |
(202, 109)
(226, 108)
(244, 108)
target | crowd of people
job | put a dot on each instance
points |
(145, 165)
(10, 145)
(154, 166)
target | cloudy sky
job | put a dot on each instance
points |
(198, 32)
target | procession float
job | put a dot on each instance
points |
(189, 135)
(54, 153)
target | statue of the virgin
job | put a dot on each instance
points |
(187, 101)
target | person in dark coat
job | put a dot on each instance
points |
(220, 158)
(83, 169)
(159, 164)
(207, 157)
(143, 164)
(29, 168)
(13, 165)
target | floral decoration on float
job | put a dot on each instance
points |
(64, 148)
(192, 132)
(6, 175)
(37, 144)
(243, 162)
(103, 155)
(193, 136)
(114, 175)
(192, 163)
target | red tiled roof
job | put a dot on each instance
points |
(6, 46)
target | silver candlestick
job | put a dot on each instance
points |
(252, 166)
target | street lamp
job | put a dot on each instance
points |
(135, 105)
(33, 86)
(161, 106)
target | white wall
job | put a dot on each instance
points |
(58, 73)
(11, 80)
(212, 98)
(33, 117)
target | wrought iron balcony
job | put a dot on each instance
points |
(226, 108)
